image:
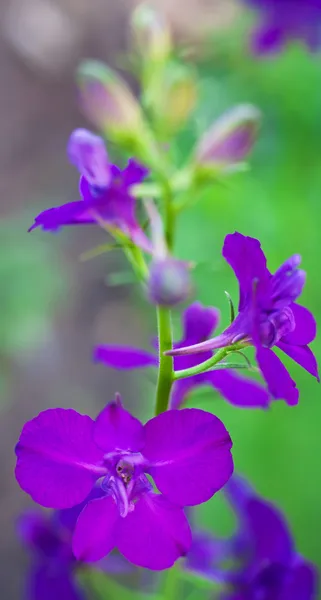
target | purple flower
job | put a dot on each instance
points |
(105, 191)
(61, 454)
(53, 566)
(198, 324)
(268, 316)
(266, 564)
(286, 20)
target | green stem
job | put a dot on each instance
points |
(169, 215)
(204, 366)
(165, 369)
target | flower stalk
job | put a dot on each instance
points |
(165, 372)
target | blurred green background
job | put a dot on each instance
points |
(55, 308)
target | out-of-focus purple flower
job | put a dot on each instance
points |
(285, 20)
(52, 564)
(198, 324)
(61, 454)
(169, 281)
(265, 563)
(105, 190)
(268, 316)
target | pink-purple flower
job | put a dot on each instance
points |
(199, 323)
(61, 455)
(265, 563)
(268, 316)
(105, 190)
(284, 20)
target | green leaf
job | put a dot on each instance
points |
(103, 587)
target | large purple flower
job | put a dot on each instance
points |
(105, 191)
(268, 315)
(61, 454)
(266, 564)
(198, 324)
(286, 20)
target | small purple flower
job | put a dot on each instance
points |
(105, 191)
(266, 565)
(268, 316)
(169, 281)
(198, 324)
(286, 20)
(61, 454)
(53, 566)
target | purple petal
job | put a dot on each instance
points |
(245, 256)
(238, 390)
(199, 323)
(303, 584)
(73, 213)
(305, 327)
(303, 356)
(51, 582)
(123, 357)
(67, 518)
(88, 153)
(116, 428)
(133, 173)
(37, 532)
(268, 39)
(181, 390)
(57, 460)
(189, 452)
(96, 530)
(269, 532)
(155, 534)
(278, 380)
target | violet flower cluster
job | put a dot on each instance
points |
(114, 483)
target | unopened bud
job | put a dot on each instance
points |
(169, 281)
(107, 102)
(177, 100)
(151, 33)
(230, 139)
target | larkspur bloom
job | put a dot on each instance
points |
(286, 20)
(268, 316)
(105, 190)
(198, 324)
(53, 567)
(62, 454)
(266, 564)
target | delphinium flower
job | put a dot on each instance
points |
(199, 322)
(105, 190)
(284, 20)
(265, 563)
(61, 454)
(268, 316)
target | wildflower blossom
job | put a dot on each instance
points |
(198, 324)
(284, 21)
(268, 316)
(105, 191)
(61, 454)
(265, 563)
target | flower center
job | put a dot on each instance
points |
(274, 326)
(125, 481)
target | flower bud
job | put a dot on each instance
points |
(151, 33)
(177, 99)
(169, 281)
(230, 139)
(107, 102)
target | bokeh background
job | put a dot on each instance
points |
(54, 307)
